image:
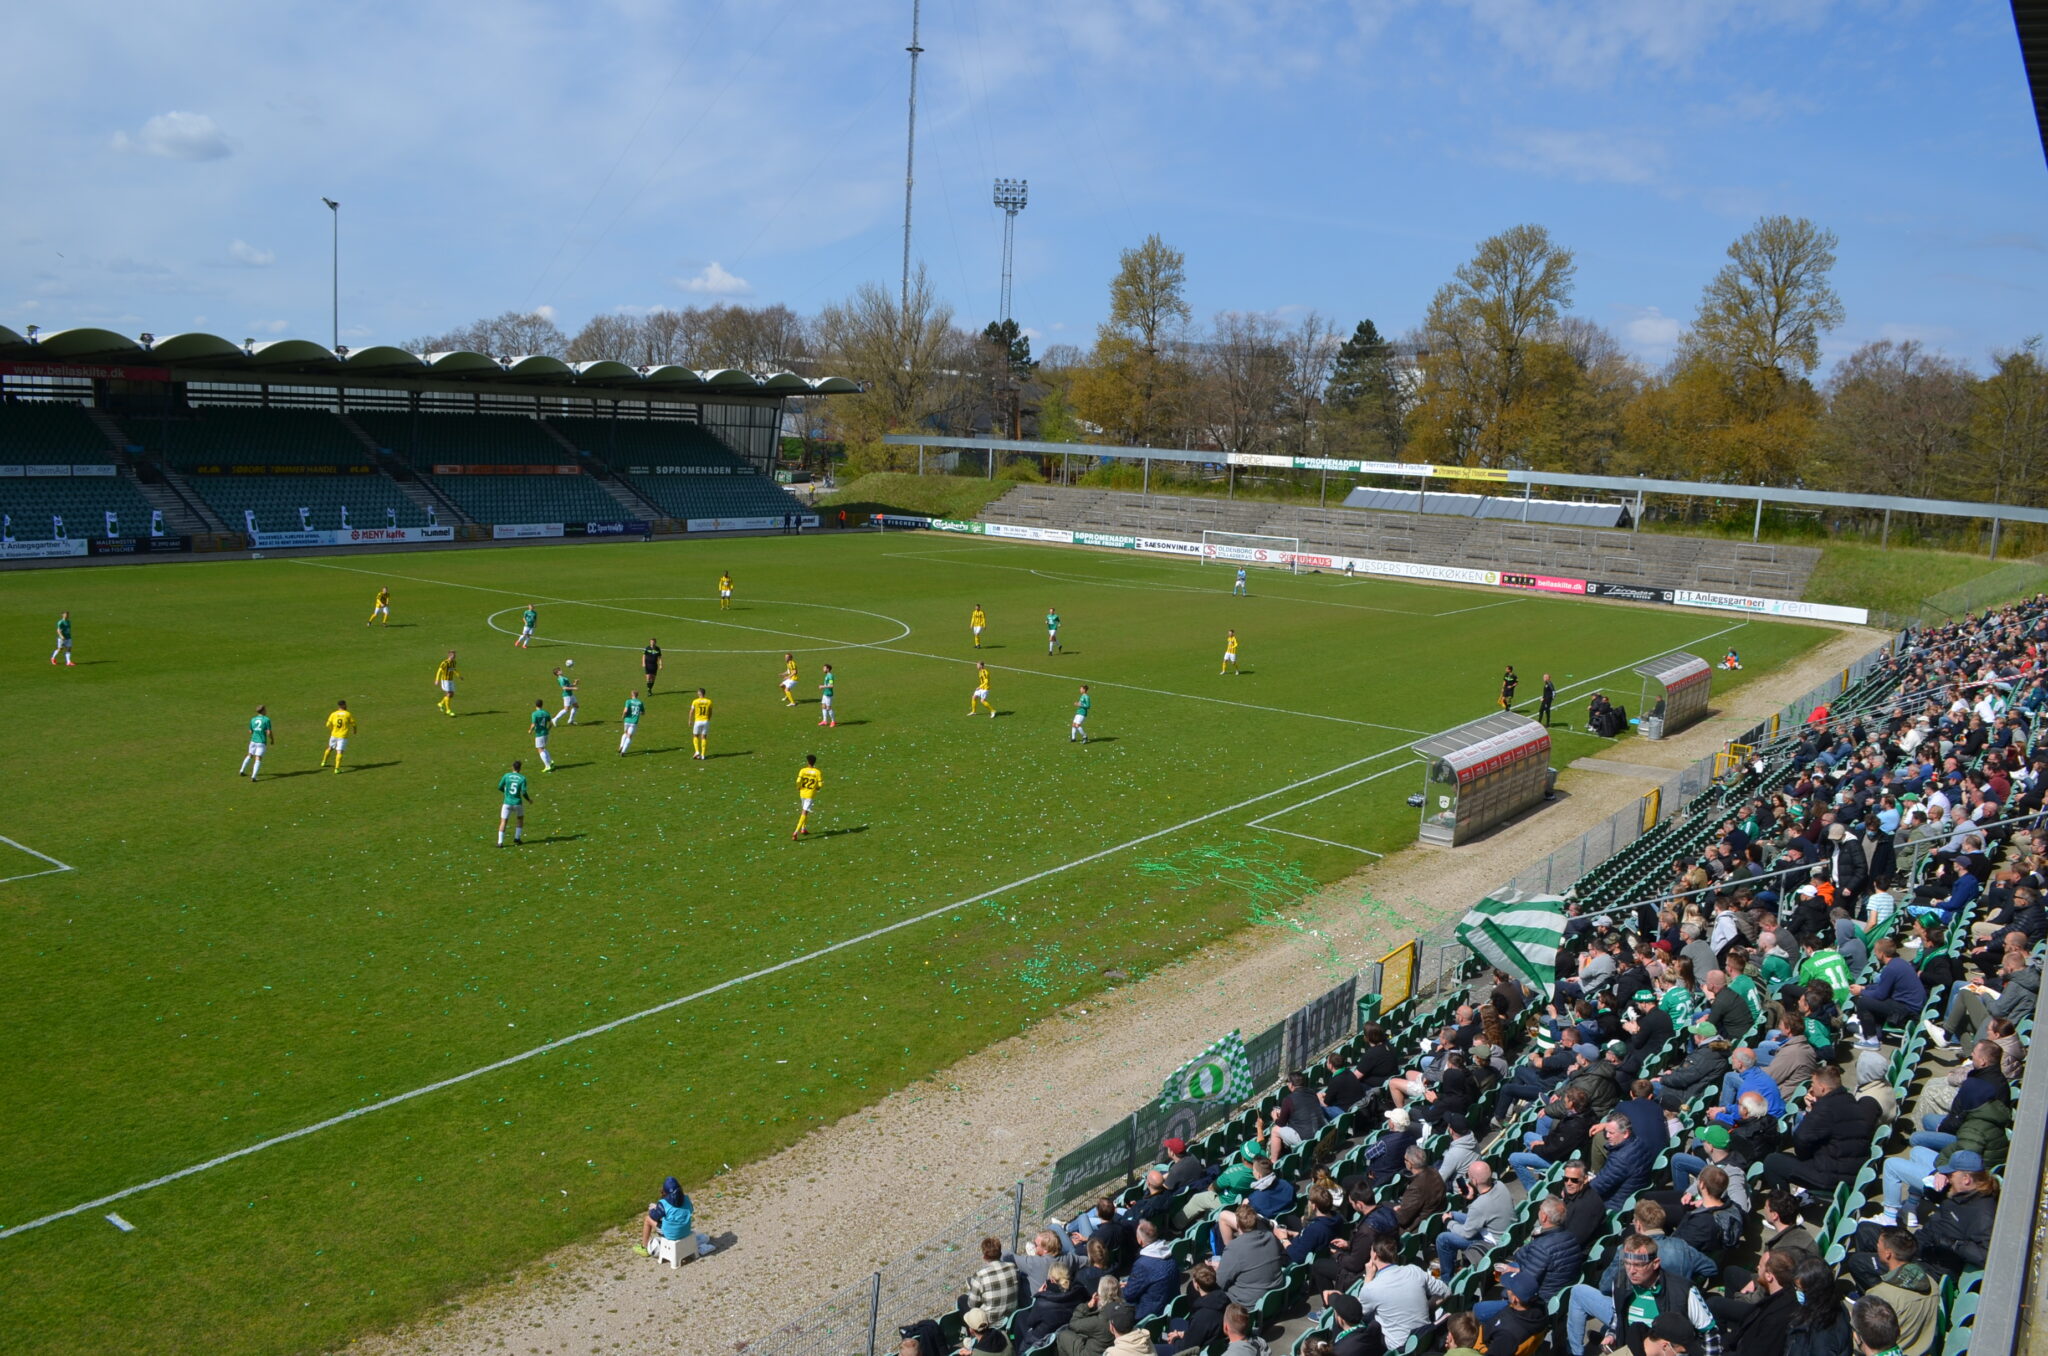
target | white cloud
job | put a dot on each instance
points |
(1651, 328)
(269, 326)
(178, 136)
(544, 312)
(1587, 157)
(714, 281)
(246, 254)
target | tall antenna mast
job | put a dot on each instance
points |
(910, 161)
(1011, 195)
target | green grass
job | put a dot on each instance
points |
(898, 492)
(232, 962)
(1902, 581)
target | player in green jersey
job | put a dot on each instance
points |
(1052, 630)
(63, 639)
(1079, 731)
(542, 722)
(512, 786)
(825, 716)
(527, 621)
(630, 719)
(567, 715)
(259, 744)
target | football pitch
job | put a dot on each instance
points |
(330, 1056)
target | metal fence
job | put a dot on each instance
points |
(926, 1280)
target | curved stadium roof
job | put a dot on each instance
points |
(270, 359)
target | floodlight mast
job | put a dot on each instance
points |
(1011, 196)
(910, 168)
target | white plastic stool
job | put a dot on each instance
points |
(671, 1251)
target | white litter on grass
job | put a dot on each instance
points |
(123, 1225)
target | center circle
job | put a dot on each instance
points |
(720, 619)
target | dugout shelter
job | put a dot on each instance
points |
(1481, 774)
(1675, 691)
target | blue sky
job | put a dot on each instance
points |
(165, 163)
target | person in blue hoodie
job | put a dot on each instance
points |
(1154, 1278)
(672, 1215)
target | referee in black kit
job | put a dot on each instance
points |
(1549, 696)
(650, 663)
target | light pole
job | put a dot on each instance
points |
(1011, 196)
(334, 210)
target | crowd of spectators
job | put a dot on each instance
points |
(1642, 1156)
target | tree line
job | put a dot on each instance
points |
(1499, 374)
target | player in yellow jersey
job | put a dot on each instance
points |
(980, 697)
(1229, 653)
(341, 725)
(976, 620)
(381, 608)
(724, 590)
(445, 675)
(789, 680)
(808, 783)
(700, 726)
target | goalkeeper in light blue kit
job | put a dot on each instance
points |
(1238, 589)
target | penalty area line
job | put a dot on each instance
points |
(590, 1033)
(52, 869)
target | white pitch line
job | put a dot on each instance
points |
(54, 867)
(1459, 611)
(590, 1033)
(885, 647)
(1327, 842)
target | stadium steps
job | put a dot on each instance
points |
(186, 497)
(181, 519)
(631, 500)
(428, 500)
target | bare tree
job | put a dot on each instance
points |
(515, 334)
(1898, 421)
(899, 358)
(752, 338)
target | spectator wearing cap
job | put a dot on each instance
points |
(1232, 1185)
(1649, 1031)
(1460, 1153)
(1599, 1078)
(1704, 1066)
(982, 1335)
(1956, 1213)
(1353, 1337)
(1642, 1289)
(1545, 1265)
(1488, 1213)
(1568, 1135)
(1715, 1146)
(1515, 1318)
(1183, 1169)
(1545, 1064)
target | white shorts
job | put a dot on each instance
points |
(63, 642)
(257, 750)
(1080, 717)
(568, 699)
(1052, 635)
(506, 812)
(977, 630)
(788, 683)
(725, 593)
(338, 745)
(629, 727)
(379, 608)
(526, 633)
(448, 686)
(981, 694)
(700, 728)
(540, 741)
(825, 700)
(1230, 656)
(805, 802)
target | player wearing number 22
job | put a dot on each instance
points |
(809, 781)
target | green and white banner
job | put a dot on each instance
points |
(1518, 935)
(1221, 1073)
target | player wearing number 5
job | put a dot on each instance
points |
(512, 786)
(341, 727)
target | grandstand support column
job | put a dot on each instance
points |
(1994, 538)
(1145, 486)
(1756, 532)
(1884, 538)
(1323, 490)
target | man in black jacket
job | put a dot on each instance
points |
(1955, 1235)
(1831, 1141)
(1649, 1030)
(1585, 1214)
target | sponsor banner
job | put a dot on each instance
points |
(1162, 546)
(293, 469)
(1770, 607)
(773, 524)
(1321, 1024)
(48, 469)
(479, 470)
(94, 371)
(1257, 555)
(1542, 582)
(1051, 534)
(1407, 569)
(1469, 473)
(956, 525)
(15, 470)
(138, 546)
(682, 470)
(353, 536)
(98, 469)
(1256, 459)
(631, 527)
(1628, 593)
(887, 520)
(1310, 562)
(29, 550)
(502, 531)
(1104, 539)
